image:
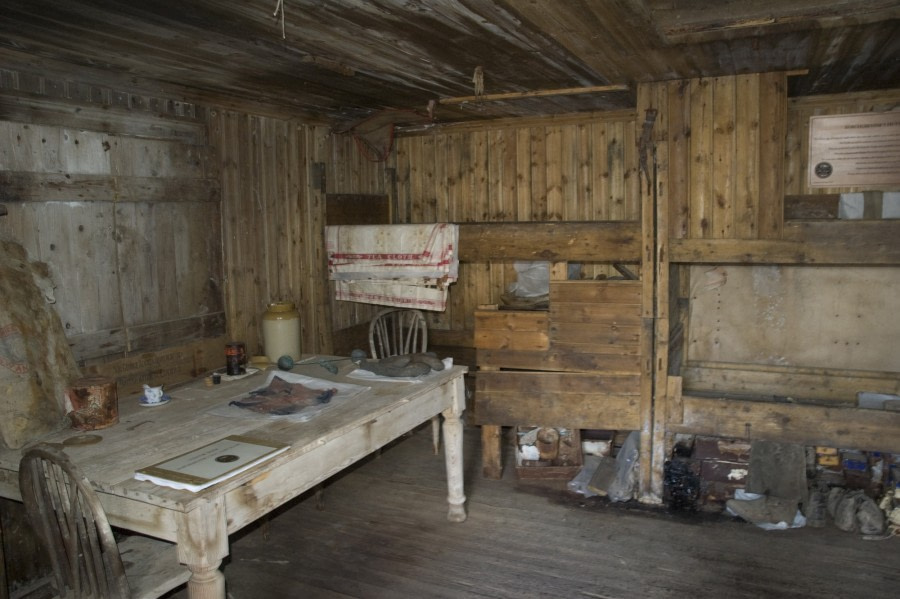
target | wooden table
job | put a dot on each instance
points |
(200, 522)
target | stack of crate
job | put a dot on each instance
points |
(576, 366)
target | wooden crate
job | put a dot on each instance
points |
(564, 466)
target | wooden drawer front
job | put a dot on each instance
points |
(512, 329)
(578, 400)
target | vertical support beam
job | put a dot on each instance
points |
(647, 110)
(661, 298)
(491, 451)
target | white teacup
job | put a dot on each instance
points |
(153, 394)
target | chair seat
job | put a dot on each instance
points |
(151, 566)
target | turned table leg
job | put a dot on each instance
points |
(206, 582)
(453, 454)
(202, 543)
(453, 450)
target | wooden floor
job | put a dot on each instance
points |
(384, 534)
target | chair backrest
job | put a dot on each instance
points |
(71, 524)
(397, 331)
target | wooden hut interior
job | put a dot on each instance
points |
(706, 191)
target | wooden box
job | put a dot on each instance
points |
(561, 458)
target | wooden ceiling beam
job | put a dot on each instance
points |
(538, 93)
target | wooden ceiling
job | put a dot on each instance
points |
(341, 60)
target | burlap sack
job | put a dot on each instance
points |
(36, 362)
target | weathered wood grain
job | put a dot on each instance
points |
(540, 398)
(866, 430)
(608, 241)
(832, 385)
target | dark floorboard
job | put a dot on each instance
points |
(384, 534)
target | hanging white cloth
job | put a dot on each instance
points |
(407, 266)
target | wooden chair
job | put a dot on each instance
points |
(397, 331)
(72, 527)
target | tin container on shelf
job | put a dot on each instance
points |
(281, 331)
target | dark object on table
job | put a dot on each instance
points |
(406, 365)
(285, 362)
(281, 398)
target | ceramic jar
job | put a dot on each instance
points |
(281, 331)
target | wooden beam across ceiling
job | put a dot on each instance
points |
(538, 93)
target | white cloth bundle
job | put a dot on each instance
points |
(407, 266)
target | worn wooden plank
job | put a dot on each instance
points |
(700, 193)
(58, 113)
(678, 160)
(441, 172)
(600, 174)
(616, 150)
(539, 182)
(746, 156)
(833, 385)
(491, 451)
(624, 293)
(724, 166)
(541, 398)
(866, 430)
(559, 382)
(613, 242)
(839, 251)
(608, 313)
(475, 200)
(596, 334)
(562, 359)
(553, 150)
(523, 174)
(320, 311)
(491, 333)
(772, 133)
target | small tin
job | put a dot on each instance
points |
(235, 358)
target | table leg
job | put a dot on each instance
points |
(206, 582)
(202, 543)
(453, 454)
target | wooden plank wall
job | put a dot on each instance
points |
(119, 193)
(724, 155)
(573, 168)
(276, 173)
(727, 151)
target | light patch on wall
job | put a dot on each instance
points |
(817, 317)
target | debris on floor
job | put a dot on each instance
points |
(779, 485)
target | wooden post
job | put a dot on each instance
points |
(491, 451)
